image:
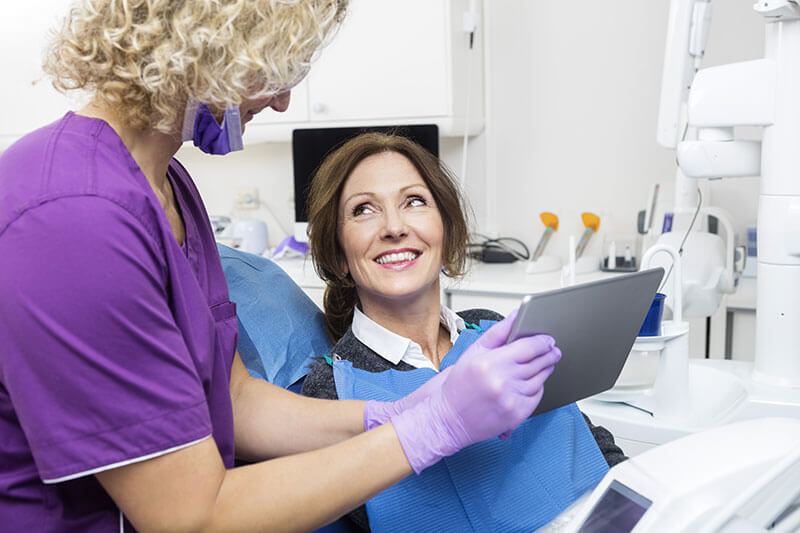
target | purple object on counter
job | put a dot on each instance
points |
(289, 247)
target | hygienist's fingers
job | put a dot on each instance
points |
(528, 349)
(533, 367)
(533, 386)
(497, 335)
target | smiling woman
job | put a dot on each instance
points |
(390, 191)
(386, 219)
(391, 233)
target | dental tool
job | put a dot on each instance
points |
(590, 222)
(550, 222)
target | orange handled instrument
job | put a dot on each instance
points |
(591, 222)
(550, 226)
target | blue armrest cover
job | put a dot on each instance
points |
(280, 328)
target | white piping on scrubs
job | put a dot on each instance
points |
(123, 463)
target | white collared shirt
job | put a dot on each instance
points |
(395, 348)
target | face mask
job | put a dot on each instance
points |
(201, 126)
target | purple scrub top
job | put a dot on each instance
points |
(116, 343)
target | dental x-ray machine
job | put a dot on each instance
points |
(708, 262)
(730, 467)
(694, 395)
(765, 93)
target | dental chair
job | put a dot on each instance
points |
(280, 328)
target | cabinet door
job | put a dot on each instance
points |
(388, 60)
(28, 98)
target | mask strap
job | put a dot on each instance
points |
(233, 122)
(189, 118)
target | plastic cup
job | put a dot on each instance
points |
(652, 322)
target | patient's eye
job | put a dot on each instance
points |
(362, 209)
(416, 201)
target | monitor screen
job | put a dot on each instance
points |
(618, 510)
(310, 146)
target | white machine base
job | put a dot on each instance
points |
(720, 392)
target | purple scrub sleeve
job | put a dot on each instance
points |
(122, 384)
(116, 342)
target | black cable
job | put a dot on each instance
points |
(696, 211)
(686, 236)
(514, 247)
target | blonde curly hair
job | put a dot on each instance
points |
(146, 58)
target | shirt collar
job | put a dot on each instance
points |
(395, 348)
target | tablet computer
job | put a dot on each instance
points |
(594, 324)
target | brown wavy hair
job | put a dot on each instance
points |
(341, 295)
(147, 58)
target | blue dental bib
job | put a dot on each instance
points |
(516, 485)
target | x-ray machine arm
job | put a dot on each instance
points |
(764, 93)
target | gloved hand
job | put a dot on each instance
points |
(377, 413)
(491, 390)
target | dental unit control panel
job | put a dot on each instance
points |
(700, 483)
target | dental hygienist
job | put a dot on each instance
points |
(122, 400)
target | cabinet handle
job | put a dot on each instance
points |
(318, 107)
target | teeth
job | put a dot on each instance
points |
(396, 258)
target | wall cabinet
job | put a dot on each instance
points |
(391, 62)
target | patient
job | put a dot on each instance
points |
(386, 220)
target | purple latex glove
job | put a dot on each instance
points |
(490, 391)
(377, 413)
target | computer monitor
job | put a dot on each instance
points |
(311, 146)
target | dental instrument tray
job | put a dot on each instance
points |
(594, 325)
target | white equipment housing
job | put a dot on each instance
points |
(761, 93)
(693, 395)
(736, 478)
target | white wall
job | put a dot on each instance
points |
(266, 166)
(574, 103)
(572, 100)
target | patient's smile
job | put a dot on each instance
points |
(397, 258)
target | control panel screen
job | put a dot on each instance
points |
(618, 511)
